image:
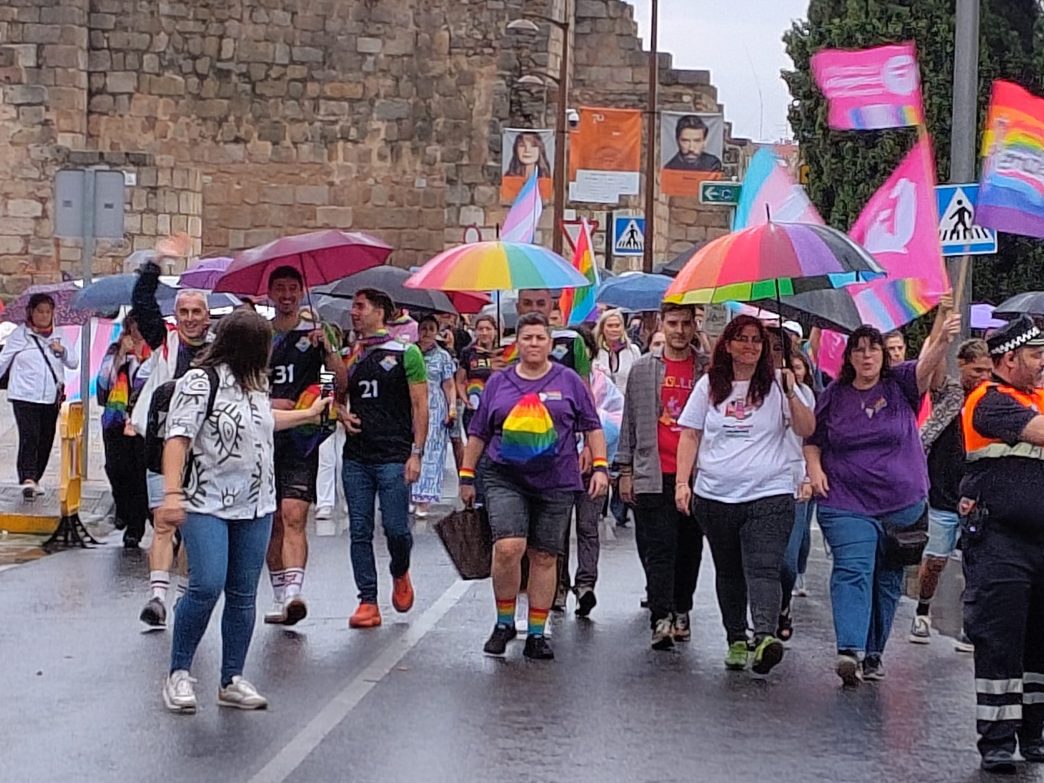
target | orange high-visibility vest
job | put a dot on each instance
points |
(978, 447)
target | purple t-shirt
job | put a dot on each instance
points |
(569, 404)
(872, 453)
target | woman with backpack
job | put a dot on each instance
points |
(221, 423)
(34, 361)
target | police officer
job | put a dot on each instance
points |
(1003, 545)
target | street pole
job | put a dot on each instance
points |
(650, 147)
(963, 134)
(86, 261)
(561, 134)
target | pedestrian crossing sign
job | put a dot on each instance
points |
(628, 235)
(958, 234)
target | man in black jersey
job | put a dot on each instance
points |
(299, 352)
(387, 424)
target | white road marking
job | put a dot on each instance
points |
(282, 765)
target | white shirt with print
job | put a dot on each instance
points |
(743, 452)
(231, 473)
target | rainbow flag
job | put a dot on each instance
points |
(528, 432)
(520, 225)
(578, 304)
(1011, 193)
(308, 437)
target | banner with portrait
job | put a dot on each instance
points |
(522, 151)
(605, 155)
(691, 146)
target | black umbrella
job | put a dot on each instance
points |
(1029, 303)
(389, 279)
(829, 308)
(676, 264)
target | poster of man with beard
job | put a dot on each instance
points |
(691, 150)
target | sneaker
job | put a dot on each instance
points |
(999, 762)
(277, 614)
(537, 648)
(154, 615)
(561, 596)
(662, 635)
(28, 490)
(736, 658)
(681, 629)
(323, 512)
(40, 489)
(402, 593)
(296, 609)
(799, 587)
(497, 642)
(872, 668)
(241, 695)
(1032, 751)
(366, 616)
(847, 669)
(178, 693)
(767, 654)
(963, 644)
(585, 601)
(921, 630)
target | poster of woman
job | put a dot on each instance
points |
(525, 150)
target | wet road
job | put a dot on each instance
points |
(417, 701)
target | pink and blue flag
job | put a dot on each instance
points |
(869, 89)
(767, 189)
(520, 225)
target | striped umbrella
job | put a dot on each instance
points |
(497, 266)
(771, 261)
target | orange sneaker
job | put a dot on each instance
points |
(402, 593)
(366, 616)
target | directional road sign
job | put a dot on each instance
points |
(958, 234)
(723, 193)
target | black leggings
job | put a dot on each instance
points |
(36, 425)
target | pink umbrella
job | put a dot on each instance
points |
(322, 257)
(469, 302)
(205, 273)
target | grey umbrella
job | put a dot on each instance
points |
(829, 308)
(1029, 302)
(389, 279)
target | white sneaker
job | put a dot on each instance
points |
(40, 489)
(241, 695)
(325, 526)
(323, 512)
(921, 630)
(799, 587)
(178, 693)
(277, 614)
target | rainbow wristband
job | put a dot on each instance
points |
(601, 464)
(466, 476)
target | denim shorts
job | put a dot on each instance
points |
(944, 528)
(542, 518)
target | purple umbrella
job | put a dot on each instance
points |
(62, 294)
(982, 317)
(322, 257)
(205, 274)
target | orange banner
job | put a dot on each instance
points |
(605, 155)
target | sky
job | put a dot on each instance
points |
(740, 43)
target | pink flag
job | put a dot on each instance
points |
(870, 88)
(520, 225)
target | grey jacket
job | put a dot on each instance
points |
(639, 430)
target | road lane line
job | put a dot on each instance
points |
(283, 764)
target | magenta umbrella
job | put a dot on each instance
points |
(322, 257)
(205, 273)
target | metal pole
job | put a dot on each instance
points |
(561, 133)
(963, 136)
(86, 261)
(650, 147)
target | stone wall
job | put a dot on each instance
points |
(248, 119)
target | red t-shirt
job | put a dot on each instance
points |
(678, 379)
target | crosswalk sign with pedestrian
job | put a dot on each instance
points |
(628, 235)
(958, 234)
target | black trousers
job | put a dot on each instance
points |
(1004, 618)
(36, 423)
(125, 468)
(670, 545)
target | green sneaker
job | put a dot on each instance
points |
(736, 659)
(767, 654)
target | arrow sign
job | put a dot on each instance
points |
(723, 193)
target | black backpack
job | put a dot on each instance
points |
(159, 407)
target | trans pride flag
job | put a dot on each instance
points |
(1011, 193)
(578, 304)
(520, 225)
(767, 184)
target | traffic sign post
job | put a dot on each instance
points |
(628, 235)
(958, 234)
(720, 193)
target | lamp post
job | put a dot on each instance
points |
(654, 129)
(527, 25)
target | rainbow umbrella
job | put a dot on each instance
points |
(496, 266)
(771, 261)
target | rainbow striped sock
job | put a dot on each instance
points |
(537, 620)
(506, 612)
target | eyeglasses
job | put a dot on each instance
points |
(744, 338)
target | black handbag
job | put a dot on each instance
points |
(468, 541)
(904, 545)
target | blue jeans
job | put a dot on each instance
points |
(796, 556)
(362, 484)
(864, 593)
(223, 555)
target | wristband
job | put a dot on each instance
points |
(466, 476)
(600, 463)
(600, 469)
(174, 492)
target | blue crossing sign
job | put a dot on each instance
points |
(628, 235)
(958, 234)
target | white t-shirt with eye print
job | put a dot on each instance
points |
(230, 473)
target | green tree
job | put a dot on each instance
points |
(846, 167)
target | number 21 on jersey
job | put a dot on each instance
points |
(369, 389)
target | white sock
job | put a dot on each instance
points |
(159, 583)
(294, 582)
(278, 579)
